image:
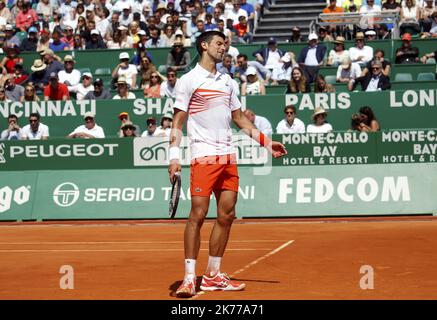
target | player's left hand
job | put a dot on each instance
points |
(278, 149)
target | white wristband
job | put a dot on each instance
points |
(173, 153)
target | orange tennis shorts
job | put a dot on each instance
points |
(213, 173)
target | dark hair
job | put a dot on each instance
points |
(207, 37)
(242, 55)
(356, 121)
(35, 114)
(366, 110)
(12, 116)
(170, 69)
(380, 50)
(290, 106)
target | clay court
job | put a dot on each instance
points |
(278, 259)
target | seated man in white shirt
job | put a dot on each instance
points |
(69, 76)
(290, 124)
(261, 123)
(151, 128)
(35, 130)
(168, 87)
(86, 86)
(348, 70)
(89, 130)
(360, 53)
(164, 129)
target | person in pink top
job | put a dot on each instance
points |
(208, 100)
(25, 17)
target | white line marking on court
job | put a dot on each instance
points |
(251, 264)
(118, 242)
(120, 250)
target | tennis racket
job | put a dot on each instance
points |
(174, 196)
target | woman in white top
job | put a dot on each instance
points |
(410, 15)
(320, 125)
(339, 54)
(253, 86)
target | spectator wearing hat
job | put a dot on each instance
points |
(153, 88)
(348, 70)
(31, 42)
(324, 35)
(11, 59)
(126, 16)
(383, 32)
(35, 130)
(242, 30)
(128, 130)
(69, 76)
(319, 125)
(55, 90)
(178, 58)
(89, 130)
(406, 54)
(84, 87)
(151, 128)
(168, 86)
(38, 75)
(291, 123)
(13, 91)
(311, 57)
(339, 54)
(99, 92)
(164, 129)
(29, 93)
(11, 40)
(56, 44)
(53, 65)
(253, 86)
(96, 41)
(125, 118)
(126, 70)
(360, 53)
(374, 80)
(370, 35)
(20, 75)
(123, 90)
(295, 35)
(26, 17)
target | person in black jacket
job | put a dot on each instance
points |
(406, 53)
(372, 81)
(311, 57)
(31, 42)
(96, 41)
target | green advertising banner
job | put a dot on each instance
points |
(297, 191)
(404, 109)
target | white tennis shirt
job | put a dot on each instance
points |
(209, 100)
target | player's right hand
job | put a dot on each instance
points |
(173, 167)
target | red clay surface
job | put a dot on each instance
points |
(142, 260)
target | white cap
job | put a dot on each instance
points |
(89, 115)
(123, 55)
(95, 31)
(312, 36)
(90, 8)
(179, 32)
(370, 33)
(122, 27)
(141, 33)
(87, 74)
(125, 5)
(250, 71)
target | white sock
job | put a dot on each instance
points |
(190, 268)
(214, 265)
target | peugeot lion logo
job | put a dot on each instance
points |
(66, 194)
(2, 152)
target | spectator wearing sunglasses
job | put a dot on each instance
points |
(99, 92)
(29, 94)
(126, 70)
(290, 123)
(372, 81)
(128, 130)
(178, 58)
(35, 130)
(89, 130)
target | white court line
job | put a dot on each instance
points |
(120, 250)
(118, 242)
(251, 264)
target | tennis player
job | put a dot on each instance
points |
(209, 100)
